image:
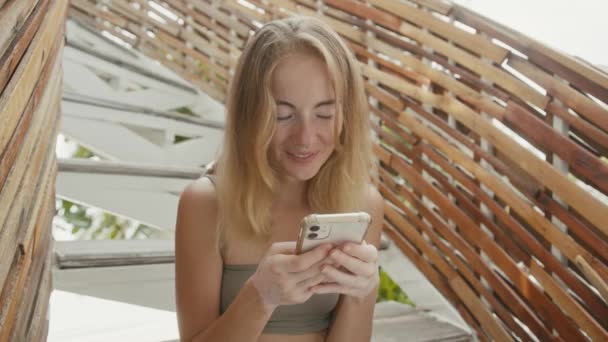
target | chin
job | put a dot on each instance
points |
(302, 176)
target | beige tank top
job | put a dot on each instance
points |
(311, 316)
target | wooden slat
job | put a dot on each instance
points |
(581, 104)
(13, 293)
(440, 6)
(19, 89)
(458, 88)
(579, 73)
(594, 136)
(587, 205)
(543, 136)
(473, 236)
(456, 283)
(593, 277)
(475, 43)
(521, 180)
(38, 330)
(38, 250)
(15, 195)
(564, 243)
(359, 9)
(583, 231)
(13, 16)
(89, 8)
(384, 64)
(576, 312)
(453, 258)
(384, 97)
(475, 263)
(434, 277)
(12, 56)
(220, 17)
(489, 72)
(523, 236)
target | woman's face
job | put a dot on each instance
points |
(306, 114)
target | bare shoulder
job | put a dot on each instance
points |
(201, 189)
(198, 262)
(197, 210)
(375, 207)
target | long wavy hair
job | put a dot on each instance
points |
(246, 179)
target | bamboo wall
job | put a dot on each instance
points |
(495, 187)
(31, 41)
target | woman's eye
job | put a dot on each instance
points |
(283, 117)
(325, 116)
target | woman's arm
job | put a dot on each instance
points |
(198, 274)
(353, 316)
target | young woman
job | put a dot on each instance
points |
(297, 142)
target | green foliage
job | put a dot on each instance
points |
(84, 225)
(179, 138)
(82, 222)
(74, 214)
(185, 110)
(82, 153)
(389, 290)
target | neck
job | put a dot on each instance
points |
(290, 194)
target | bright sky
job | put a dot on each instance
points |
(578, 27)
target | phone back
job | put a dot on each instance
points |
(317, 229)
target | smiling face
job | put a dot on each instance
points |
(306, 116)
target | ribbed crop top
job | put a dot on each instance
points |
(311, 316)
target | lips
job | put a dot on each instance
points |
(302, 157)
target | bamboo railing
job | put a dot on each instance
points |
(31, 44)
(492, 147)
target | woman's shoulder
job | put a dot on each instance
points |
(202, 188)
(198, 208)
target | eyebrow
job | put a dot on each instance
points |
(320, 104)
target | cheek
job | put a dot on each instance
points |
(279, 141)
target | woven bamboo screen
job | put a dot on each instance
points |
(31, 43)
(492, 147)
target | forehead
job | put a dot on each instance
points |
(302, 79)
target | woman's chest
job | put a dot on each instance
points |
(249, 250)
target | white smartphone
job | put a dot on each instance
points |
(317, 229)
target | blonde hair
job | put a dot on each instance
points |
(246, 180)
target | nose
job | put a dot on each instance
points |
(304, 133)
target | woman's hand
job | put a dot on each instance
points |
(283, 278)
(358, 275)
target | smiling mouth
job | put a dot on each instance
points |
(302, 156)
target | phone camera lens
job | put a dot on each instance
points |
(314, 228)
(312, 235)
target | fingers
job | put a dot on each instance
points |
(364, 251)
(302, 262)
(331, 288)
(352, 264)
(344, 283)
(332, 274)
(309, 273)
(310, 282)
